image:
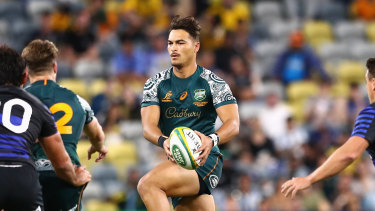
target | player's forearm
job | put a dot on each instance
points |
(152, 133)
(95, 134)
(97, 139)
(337, 162)
(150, 123)
(228, 130)
(65, 170)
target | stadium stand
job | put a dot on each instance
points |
(342, 34)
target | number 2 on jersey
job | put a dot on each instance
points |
(61, 123)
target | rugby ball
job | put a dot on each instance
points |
(184, 144)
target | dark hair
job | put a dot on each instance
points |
(40, 56)
(370, 64)
(12, 66)
(189, 24)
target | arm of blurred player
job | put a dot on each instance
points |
(337, 162)
(150, 124)
(95, 133)
(228, 114)
(55, 150)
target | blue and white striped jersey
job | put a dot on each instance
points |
(365, 127)
(23, 119)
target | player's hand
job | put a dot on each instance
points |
(205, 149)
(82, 176)
(102, 152)
(291, 187)
(168, 150)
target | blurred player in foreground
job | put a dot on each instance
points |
(186, 95)
(362, 138)
(24, 119)
(71, 113)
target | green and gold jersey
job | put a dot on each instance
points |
(71, 113)
(189, 102)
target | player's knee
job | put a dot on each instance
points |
(143, 185)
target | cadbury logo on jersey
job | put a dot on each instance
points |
(172, 112)
(167, 97)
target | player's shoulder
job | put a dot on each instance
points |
(211, 77)
(34, 102)
(85, 105)
(64, 90)
(68, 96)
(366, 115)
(370, 109)
(158, 78)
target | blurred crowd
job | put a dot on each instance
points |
(296, 68)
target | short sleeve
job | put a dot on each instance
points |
(87, 108)
(150, 92)
(221, 93)
(364, 125)
(48, 123)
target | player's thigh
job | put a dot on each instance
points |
(20, 188)
(172, 179)
(203, 202)
(58, 194)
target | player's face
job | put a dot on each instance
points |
(182, 48)
(369, 87)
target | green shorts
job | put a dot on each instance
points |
(58, 194)
(210, 172)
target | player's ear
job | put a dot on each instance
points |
(373, 84)
(54, 67)
(196, 47)
(25, 76)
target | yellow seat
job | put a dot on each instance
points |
(317, 33)
(340, 89)
(97, 205)
(82, 148)
(302, 90)
(351, 72)
(77, 86)
(370, 31)
(122, 156)
(297, 108)
(97, 86)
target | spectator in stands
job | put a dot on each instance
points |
(45, 30)
(132, 199)
(297, 62)
(159, 57)
(243, 80)
(207, 59)
(294, 137)
(81, 35)
(152, 11)
(346, 199)
(249, 198)
(224, 52)
(364, 9)
(356, 102)
(231, 12)
(129, 63)
(273, 117)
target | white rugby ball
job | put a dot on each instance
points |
(184, 143)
